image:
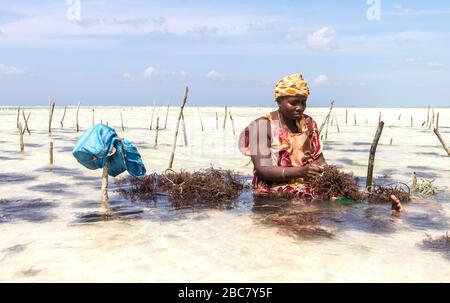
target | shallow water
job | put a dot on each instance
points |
(52, 229)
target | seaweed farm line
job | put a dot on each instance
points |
(50, 231)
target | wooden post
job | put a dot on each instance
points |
(232, 123)
(373, 150)
(184, 130)
(62, 120)
(217, 121)
(225, 118)
(153, 114)
(411, 121)
(346, 114)
(51, 152)
(22, 146)
(414, 181)
(390, 142)
(78, 111)
(332, 119)
(157, 130)
(428, 115)
(51, 108)
(26, 122)
(379, 118)
(104, 190)
(444, 145)
(167, 115)
(437, 121)
(18, 116)
(93, 116)
(121, 120)
(432, 118)
(337, 124)
(326, 128)
(200, 116)
(327, 116)
(354, 117)
(183, 103)
(399, 116)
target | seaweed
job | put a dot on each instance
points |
(212, 188)
(332, 183)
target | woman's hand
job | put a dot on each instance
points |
(310, 170)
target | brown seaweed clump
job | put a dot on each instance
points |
(384, 194)
(332, 183)
(213, 188)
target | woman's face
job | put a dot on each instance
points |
(292, 107)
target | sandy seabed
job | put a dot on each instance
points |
(43, 238)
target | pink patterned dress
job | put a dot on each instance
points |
(287, 149)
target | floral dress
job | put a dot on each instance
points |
(287, 149)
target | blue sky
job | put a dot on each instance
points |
(228, 53)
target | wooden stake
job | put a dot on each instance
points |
(327, 116)
(167, 115)
(93, 116)
(121, 120)
(51, 109)
(390, 142)
(354, 117)
(411, 121)
(22, 146)
(232, 123)
(373, 150)
(78, 111)
(183, 103)
(50, 151)
(200, 116)
(432, 119)
(225, 118)
(444, 145)
(157, 131)
(399, 116)
(104, 190)
(437, 121)
(62, 120)
(217, 121)
(184, 130)
(153, 114)
(18, 116)
(379, 118)
(428, 115)
(26, 122)
(326, 128)
(346, 114)
(337, 124)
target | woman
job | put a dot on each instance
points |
(284, 145)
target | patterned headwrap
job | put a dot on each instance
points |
(291, 85)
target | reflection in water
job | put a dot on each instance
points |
(33, 210)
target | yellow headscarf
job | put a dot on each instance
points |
(291, 85)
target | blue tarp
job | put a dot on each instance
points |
(95, 145)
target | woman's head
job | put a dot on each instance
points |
(291, 94)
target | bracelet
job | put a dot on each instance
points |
(282, 173)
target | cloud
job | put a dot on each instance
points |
(321, 79)
(9, 70)
(322, 39)
(152, 73)
(435, 64)
(213, 74)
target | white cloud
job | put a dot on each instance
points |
(9, 70)
(152, 73)
(323, 39)
(213, 74)
(321, 79)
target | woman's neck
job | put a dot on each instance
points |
(290, 124)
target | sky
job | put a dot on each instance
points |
(363, 53)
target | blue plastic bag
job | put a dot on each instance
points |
(94, 149)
